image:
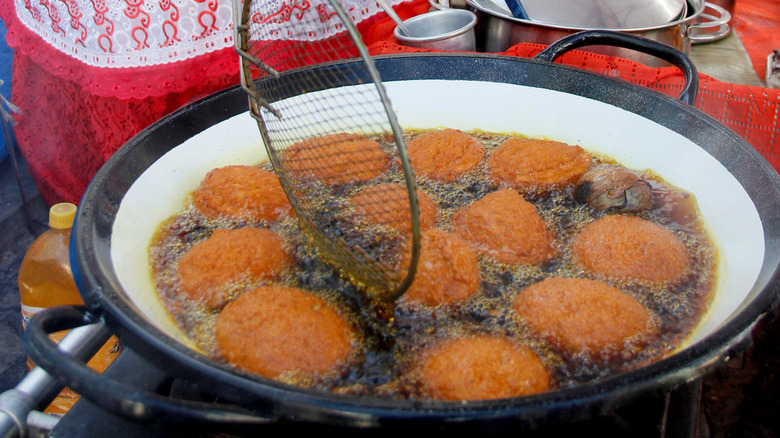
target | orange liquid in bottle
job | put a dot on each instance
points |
(46, 280)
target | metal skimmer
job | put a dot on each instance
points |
(333, 139)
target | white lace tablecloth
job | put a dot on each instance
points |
(137, 33)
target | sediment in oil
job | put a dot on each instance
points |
(389, 343)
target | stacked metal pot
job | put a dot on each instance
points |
(678, 23)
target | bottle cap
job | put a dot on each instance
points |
(61, 215)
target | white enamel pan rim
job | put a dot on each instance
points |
(492, 107)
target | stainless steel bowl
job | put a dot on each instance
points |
(602, 14)
(447, 29)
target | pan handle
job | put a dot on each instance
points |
(115, 396)
(629, 41)
(709, 27)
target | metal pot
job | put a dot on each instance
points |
(450, 29)
(497, 30)
(148, 178)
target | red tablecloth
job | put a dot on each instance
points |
(757, 23)
(75, 116)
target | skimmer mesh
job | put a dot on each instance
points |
(334, 142)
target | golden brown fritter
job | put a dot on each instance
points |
(241, 192)
(537, 165)
(444, 155)
(448, 271)
(578, 314)
(629, 247)
(388, 204)
(206, 272)
(481, 368)
(336, 159)
(506, 227)
(274, 330)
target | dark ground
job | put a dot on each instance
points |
(19, 225)
(740, 399)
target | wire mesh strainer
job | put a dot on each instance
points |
(332, 138)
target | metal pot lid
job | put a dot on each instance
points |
(596, 14)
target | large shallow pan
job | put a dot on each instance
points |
(148, 179)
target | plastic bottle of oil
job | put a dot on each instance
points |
(46, 280)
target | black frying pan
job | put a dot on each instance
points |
(248, 400)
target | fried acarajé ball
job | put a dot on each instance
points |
(578, 314)
(629, 247)
(388, 204)
(273, 330)
(337, 158)
(506, 227)
(445, 155)
(241, 192)
(208, 269)
(537, 165)
(481, 368)
(447, 272)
